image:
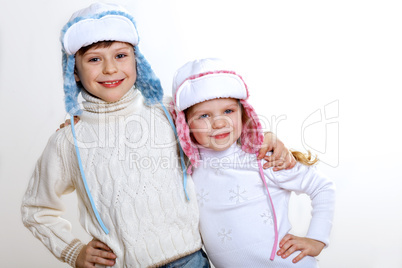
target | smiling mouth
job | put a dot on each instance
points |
(221, 136)
(114, 83)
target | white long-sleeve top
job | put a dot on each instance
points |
(129, 155)
(236, 221)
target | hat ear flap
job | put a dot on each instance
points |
(186, 143)
(71, 90)
(147, 82)
(251, 137)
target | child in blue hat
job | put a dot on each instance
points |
(121, 157)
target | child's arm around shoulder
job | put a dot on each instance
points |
(281, 158)
(42, 206)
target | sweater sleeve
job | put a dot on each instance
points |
(308, 180)
(42, 207)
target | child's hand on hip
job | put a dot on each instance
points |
(95, 252)
(291, 243)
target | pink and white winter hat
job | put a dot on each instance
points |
(207, 79)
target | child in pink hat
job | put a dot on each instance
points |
(243, 208)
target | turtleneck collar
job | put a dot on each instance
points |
(93, 104)
(233, 157)
(206, 153)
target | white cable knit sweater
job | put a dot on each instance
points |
(236, 221)
(130, 159)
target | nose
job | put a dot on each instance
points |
(220, 122)
(109, 67)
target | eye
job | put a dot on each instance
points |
(203, 116)
(228, 111)
(121, 55)
(94, 59)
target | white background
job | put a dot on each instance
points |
(324, 75)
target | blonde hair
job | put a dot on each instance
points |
(305, 159)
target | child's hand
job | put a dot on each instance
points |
(281, 157)
(68, 122)
(95, 252)
(291, 243)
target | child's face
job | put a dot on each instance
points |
(107, 72)
(215, 124)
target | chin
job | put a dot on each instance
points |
(221, 147)
(113, 98)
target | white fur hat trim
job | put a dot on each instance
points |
(206, 79)
(92, 29)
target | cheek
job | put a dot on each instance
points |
(238, 124)
(198, 127)
(132, 71)
(194, 126)
(78, 69)
(84, 74)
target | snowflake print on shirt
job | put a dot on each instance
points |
(238, 195)
(267, 217)
(225, 235)
(218, 171)
(202, 197)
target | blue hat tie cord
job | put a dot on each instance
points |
(98, 218)
(183, 166)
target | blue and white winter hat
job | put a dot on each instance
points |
(103, 22)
